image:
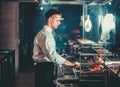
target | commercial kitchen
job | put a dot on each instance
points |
(89, 34)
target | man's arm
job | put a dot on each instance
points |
(72, 64)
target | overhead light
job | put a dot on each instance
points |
(109, 3)
(40, 8)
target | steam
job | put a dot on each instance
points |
(108, 25)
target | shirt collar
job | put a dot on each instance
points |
(48, 28)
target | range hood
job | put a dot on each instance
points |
(79, 2)
(69, 1)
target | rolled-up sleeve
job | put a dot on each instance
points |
(51, 48)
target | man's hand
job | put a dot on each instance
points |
(77, 64)
(72, 64)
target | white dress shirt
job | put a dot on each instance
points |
(45, 47)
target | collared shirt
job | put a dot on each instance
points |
(45, 47)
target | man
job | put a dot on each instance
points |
(44, 52)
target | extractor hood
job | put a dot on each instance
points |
(79, 2)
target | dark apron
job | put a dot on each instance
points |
(44, 74)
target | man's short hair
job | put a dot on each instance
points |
(51, 12)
